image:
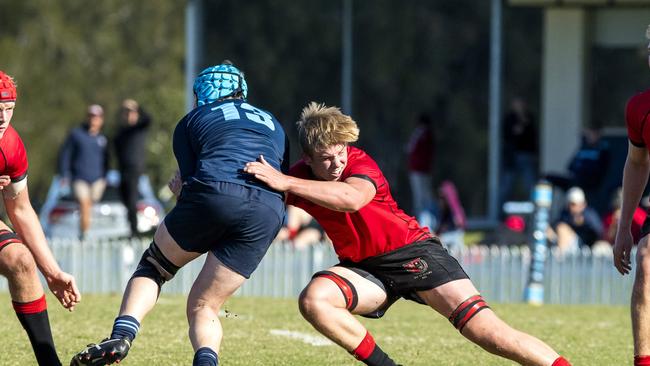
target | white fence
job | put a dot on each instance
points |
(500, 273)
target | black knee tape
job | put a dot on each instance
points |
(346, 287)
(155, 265)
(466, 311)
(8, 237)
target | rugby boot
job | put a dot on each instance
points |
(107, 352)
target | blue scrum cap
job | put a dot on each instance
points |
(218, 82)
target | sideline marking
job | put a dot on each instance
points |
(317, 341)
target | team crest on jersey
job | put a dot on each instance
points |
(417, 265)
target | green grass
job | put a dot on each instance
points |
(412, 334)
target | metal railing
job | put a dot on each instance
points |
(500, 273)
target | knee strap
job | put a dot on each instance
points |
(346, 287)
(155, 265)
(466, 311)
(7, 237)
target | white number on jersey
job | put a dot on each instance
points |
(230, 112)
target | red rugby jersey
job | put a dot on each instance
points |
(377, 228)
(13, 156)
(636, 117)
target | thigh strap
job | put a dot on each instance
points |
(467, 310)
(346, 287)
(7, 237)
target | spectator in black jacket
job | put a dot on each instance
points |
(130, 147)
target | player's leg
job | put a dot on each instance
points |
(214, 285)
(459, 301)
(640, 305)
(159, 263)
(329, 302)
(251, 220)
(27, 295)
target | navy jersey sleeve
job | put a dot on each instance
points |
(285, 159)
(182, 145)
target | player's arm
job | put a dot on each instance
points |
(25, 222)
(635, 178)
(348, 196)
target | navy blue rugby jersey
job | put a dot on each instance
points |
(212, 143)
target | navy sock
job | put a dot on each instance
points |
(125, 326)
(205, 356)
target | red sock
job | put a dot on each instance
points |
(365, 348)
(641, 360)
(370, 353)
(561, 361)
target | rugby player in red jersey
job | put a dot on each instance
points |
(385, 254)
(22, 251)
(635, 178)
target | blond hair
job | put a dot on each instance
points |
(320, 127)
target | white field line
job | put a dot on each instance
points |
(317, 341)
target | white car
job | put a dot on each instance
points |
(59, 214)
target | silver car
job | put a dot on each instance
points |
(59, 214)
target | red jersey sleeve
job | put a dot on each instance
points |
(14, 155)
(362, 166)
(636, 113)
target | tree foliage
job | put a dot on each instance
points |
(65, 55)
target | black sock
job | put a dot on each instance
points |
(33, 317)
(379, 358)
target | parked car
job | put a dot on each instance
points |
(59, 215)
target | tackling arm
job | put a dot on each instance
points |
(348, 196)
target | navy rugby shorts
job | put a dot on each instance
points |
(235, 222)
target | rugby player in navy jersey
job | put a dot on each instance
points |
(385, 254)
(25, 250)
(220, 210)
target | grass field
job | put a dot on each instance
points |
(412, 334)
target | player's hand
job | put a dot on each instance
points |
(263, 171)
(64, 287)
(5, 180)
(176, 184)
(622, 249)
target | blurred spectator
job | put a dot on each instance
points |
(610, 222)
(83, 163)
(421, 151)
(587, 167)
(451, 223)
(130, 147)
(301, 229)
(578, 224)
(520, 149)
